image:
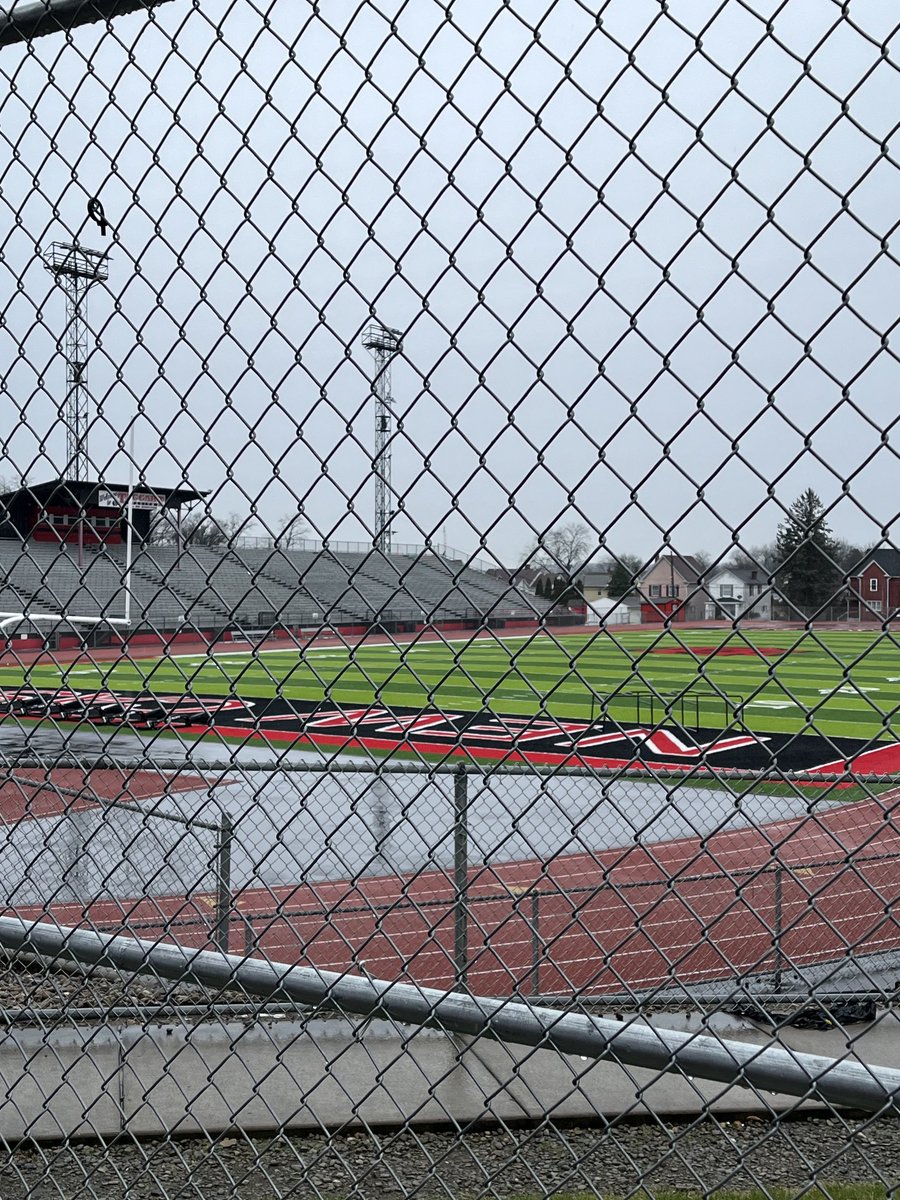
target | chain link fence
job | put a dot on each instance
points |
(448, 591)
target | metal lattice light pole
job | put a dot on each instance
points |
(76, 269)
(383, 344)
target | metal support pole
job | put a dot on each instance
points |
(778, 890)
(223, 883)
(384, 344)
(536, 948)
(129, 523)
(461, 877)
(704, 1056)
(381, 805)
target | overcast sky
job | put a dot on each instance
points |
(644, 261)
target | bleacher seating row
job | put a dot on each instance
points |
(218, 588)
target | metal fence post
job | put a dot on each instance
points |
(535, 944)
(380, 798)
(461, 877)
(778, 917)
(223, 883)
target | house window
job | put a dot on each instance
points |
(654, 589)
(726, 591)
(873, 585)
(875, 605)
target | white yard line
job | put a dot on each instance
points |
(332, 651)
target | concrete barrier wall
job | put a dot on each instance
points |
(270, 1073)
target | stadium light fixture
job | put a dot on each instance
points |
(384, 345)
(76, 269)
(79, 268)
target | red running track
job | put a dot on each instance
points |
(684, 911)
(30, 793)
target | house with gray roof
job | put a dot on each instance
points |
(671, 589)
(738, 593)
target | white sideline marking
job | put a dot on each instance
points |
(205, 662)
(770, 704)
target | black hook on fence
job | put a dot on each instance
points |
(95, 213)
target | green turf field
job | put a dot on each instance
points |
(839, 683)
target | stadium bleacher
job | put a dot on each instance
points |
(219, 588)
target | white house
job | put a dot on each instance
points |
(738, 592)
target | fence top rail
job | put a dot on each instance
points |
(370, 766)
(21, 22)
(88, 793)
(633, 1043)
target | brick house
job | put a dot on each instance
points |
(875, 586)
(670, 589)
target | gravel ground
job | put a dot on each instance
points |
(500, 1162)
(30, 985)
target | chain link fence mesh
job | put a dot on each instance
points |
(448, 582)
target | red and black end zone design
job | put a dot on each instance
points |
(484, 735)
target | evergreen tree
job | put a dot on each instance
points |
(569, 592)
(806, 552)
(620, 581)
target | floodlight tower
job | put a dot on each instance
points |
(383, 344)
(76, 270)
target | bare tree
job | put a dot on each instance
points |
(633, 563)
(215, 531)
(755, 558)
(294, 529)
(564, 550)
(849, 556)
(200, 528)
